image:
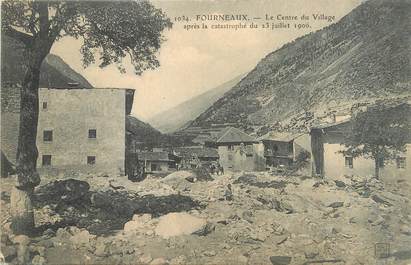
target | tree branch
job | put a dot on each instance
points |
(23, 37)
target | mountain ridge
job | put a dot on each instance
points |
(177, 117)
(365, 54)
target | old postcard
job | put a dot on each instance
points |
(206, 132)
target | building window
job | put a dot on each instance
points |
(275, 148)
(154, 167)
(48, 136)
(230, 148)
(230, 157)
(46, 160)
(349, 162)
(401, 162)
(91, 160)
(44, 105)
(249, 155)
(92, 133)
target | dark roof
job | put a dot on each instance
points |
(234, 135)
(201, 139)
(328, 125)
(154, 156)
(198, 151)
(280, 136)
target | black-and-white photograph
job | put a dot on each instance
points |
(173, 132)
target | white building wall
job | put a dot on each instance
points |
(70, 114)
(334, 164)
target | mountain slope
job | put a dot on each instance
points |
(142, 131)
(173, 119)
(54, 71)
(366, 54)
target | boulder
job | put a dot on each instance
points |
(280, 260)
(339, 183)
(145, 259)
(176, 224)
(205, 230)
(138, 222)
(159, 261)
(9, 252)
(336, 205)
(38, 260)
(82, 239)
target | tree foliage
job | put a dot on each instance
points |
(113, 30)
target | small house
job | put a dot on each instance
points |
(239, 151)
(284, 149)
(157, 161)
(194, 156)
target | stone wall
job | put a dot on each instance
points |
(70, 114)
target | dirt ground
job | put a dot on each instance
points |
(238, 218)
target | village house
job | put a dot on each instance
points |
(239, 151)
(328, 141)
(194, 156)
(284, 149)
(83, 130)
(153, 162)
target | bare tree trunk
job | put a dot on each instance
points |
(377, 168)
(27, 176)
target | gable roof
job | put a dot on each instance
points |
(198, 151)
(234, 135)
(153, 156)
(280, 136)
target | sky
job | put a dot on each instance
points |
(194, 61)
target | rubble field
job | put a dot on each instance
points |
(235, 218)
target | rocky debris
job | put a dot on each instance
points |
(282, 206)
(252, 180)
(159, 261)
(280, 260)
(47, 216)
(209, 253)
(9, 252)
(5, 196)
(378, 199)
(176, 224)
(336, 205)
(205, 230)
(202, 174)
(68, 190)
(145, 259)
(340, 183)
(405, 229)
(38, 260)
(322, 261)
(138, 222)
(237, 231)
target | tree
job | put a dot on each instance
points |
(113, 30)
(380, 133)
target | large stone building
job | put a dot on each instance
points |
(83, 130)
